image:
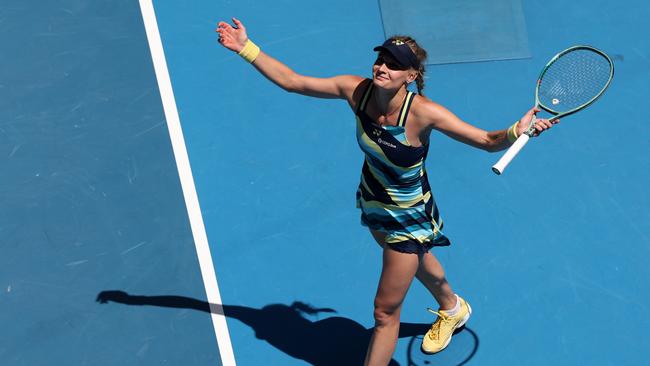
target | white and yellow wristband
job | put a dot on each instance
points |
(250, 51)
(512, 132)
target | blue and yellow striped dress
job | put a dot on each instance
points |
(394, 194)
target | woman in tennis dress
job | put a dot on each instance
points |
(393, 128)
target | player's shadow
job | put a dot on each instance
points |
(331, 341)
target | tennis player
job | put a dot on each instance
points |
(393, 128)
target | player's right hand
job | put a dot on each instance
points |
(232, 37)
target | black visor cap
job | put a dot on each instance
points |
(401, 52)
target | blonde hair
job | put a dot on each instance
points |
(421, 55)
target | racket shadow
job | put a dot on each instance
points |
(334, 340)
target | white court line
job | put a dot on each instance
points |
(187, 183)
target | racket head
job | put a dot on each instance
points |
(573, 79)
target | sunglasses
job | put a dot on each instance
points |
(390, 63)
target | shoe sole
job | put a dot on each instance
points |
(458, 326)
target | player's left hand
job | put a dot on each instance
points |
(541, 125)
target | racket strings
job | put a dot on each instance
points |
(574, 80)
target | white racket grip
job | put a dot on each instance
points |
(501, 165)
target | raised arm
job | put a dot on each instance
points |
(235, 39)
(435, 116)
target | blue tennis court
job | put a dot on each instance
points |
(162, 203)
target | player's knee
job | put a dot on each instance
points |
(386, 315)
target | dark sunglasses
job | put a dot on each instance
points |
(390, 63)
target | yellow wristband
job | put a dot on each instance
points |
(512, 132)
(250, 51)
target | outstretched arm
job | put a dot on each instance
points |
(235, 39)
(441, 119)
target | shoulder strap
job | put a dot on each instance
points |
(364, 99)
(403, 114)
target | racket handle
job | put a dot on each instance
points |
(501, 165)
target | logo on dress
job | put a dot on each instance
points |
(376, 132)
(386, 143)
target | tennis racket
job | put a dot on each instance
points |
(570, 81)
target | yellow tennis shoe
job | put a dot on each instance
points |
(438, 337)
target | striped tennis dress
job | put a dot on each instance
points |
(394, 194)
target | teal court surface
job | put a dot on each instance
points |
(161, 203)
